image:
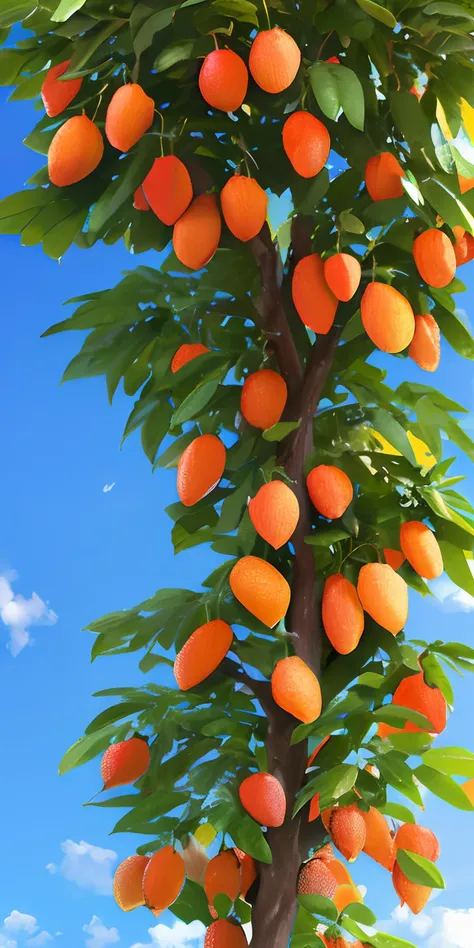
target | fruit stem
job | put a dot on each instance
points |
(359, 548)
(100, 100)
(318, 54)
(216, 44)
(161, 131)
(267, 14)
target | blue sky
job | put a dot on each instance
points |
(69, 552)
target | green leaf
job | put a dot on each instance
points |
(66, 9)
(192, 904)
(378, 12)
(325, 87)
(319, 905)
(360, 913)
(455, 332)
(350, 223)
(116, 713)
(392, 430)
(133, 169)
(437, 503)
(327, 536)
(15, 10)
(436, 677)
(193, 404)
(450, 760)
(398, 812)
(143, 38)
(88, 747)
(248, 836)
(447, 9)
(332, 785)
(420, 870)
(280, 430)
(444, 787)
(351, 95)
(397, 716)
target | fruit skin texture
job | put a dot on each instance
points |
(421, 549)
(464, 247)
(248, 871)
(244, 206)
(185, 354)
(296, 689)
(274, 512)
(202, 653)
(263, 398)
(414, 693)
(384, 595)
(415, 896)
(200, 468)
(224, 934)
(379, 844)
(222, 876)
(163, 879)
(168, 188)
(394, 558)
(345, 895)
(314, 302)
(347, 830)
(383, 174)
(129, 115)
(128, 882)
(316, 878)
(75, 151)
(124, 762)
(343, 615)
(261, 589)
(307, 143)
(330, 490)
(425, 347)
(223, 80)
(197, 233)
(57, 95)
(140, 202)
(274, 60)
(434, 257)
(387, 317)
(342, 273)
(263, 797)
(418, 839)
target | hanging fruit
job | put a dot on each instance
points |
(274, 60)
(306, 142)
(244, 206)
(197, 233)
(314, 301)
(130, 114)
(168, 189)
(223, 80)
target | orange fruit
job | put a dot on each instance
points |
(200, 468)
(202, 653)
(57, 94)
(140, 202)
(314, 808)
(464, 247)
(274, 60)
(307, 143)
(330, 490)
(419, 840)
(414, 693)
(383, 174)
(468, 788)
(222, 877)
(341, 873)
(312, 757)
(296, 689)
(263, 398)
(124, 762)
(414, 895)
(387, 317)
(185, 354)
(345, 895)
(225, 933)
(384, 595)
(263, 797)
(334, 59)
(274, 512)
(244, 206)
(248, 871)
(342, 613)
(394, 558)
(168, 188)
(75, 151)
(347, 830)
(379, 843)
(163, 879)
(424, 348)
(223, 80)
(316, 878)
(261, 589)
(128, 882)
(314, 302)
(325, 852)
(342, 273)
(130, 114)
(465, 184)
(421, 549)
(434, 257)
(197, 233)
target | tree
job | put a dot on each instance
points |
(365, 504)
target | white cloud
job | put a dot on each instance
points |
(88, 866)
(452, 928)
(421, 924)
(363, 890)
(100, 935)
(51, 868)
(6, 942)
(19, 922)
(451, 597)
(18, 613)
(108, 487)
(400, 914)
(179, 936)
(39, 940)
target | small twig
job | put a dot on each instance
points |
(318, 54)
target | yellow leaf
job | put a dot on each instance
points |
(205, 834)
(467, 113)
(421, 451)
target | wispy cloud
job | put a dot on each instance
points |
(18, 613)
(437, 927)
(108, 487)
(100, 934)
(179, 936)
(88, 866)
(42, 938)
(20, 922)
(450, 596)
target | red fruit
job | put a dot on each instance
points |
(424, 348)
(296, 689)
(379, 843)
(418, 92)
(225, 933)
(414, 693)
(307, 143)
(384, 595)
(316, 878)
(75, 151)
(200, 468)
(394, 558)
(334, 59)
(197, 233)
(347, 830)
(168, 188)
(464, 246)
(222, 877)
(330, 490)
(248, 871)
(263, 398)
(163, 879)
(387, 317)
(244, 206)
(419, 840)
(326, 852)
(124, 762)
(314, 808)
(202, 653)
(57, 94)
(434, 257)
(314, 302)
(383, 174)
(140, 202)
(342, 273)
(129, 115)
(128, 883)
(223, 80)
(185, 354)
(415, 896)
(421, 549)
(274, 60)
(274, 512)
(343, 615)
(263, 796)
